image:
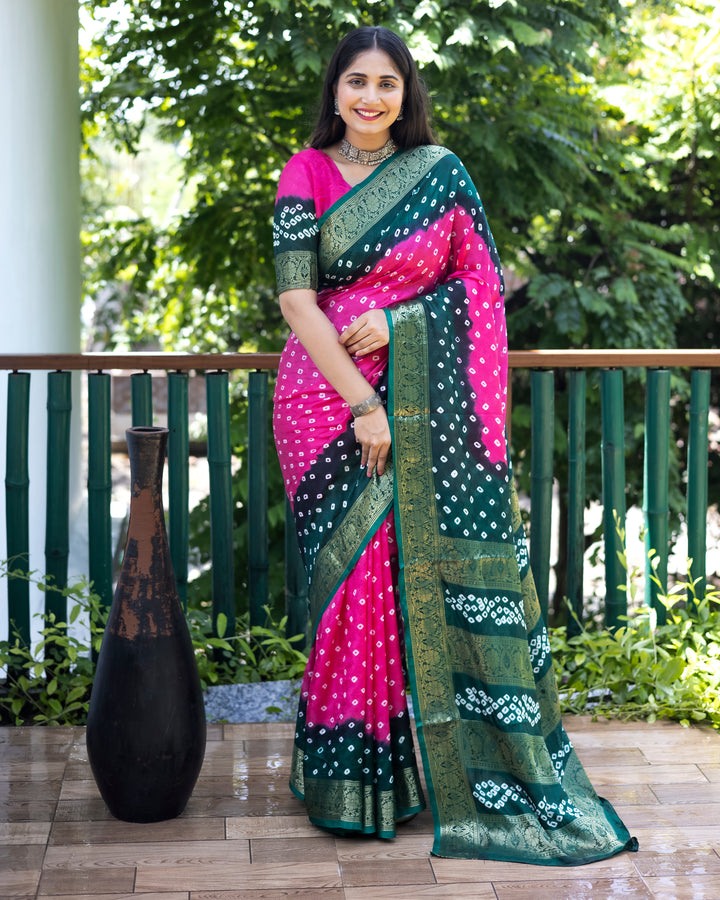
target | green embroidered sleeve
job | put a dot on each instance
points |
(296, 269)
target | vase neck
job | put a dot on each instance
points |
(146, 449)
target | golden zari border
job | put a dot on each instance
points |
(296, 269)
(439, 729)
(363, 208)
(348, 540)
(361, 807)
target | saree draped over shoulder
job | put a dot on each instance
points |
(420, 575)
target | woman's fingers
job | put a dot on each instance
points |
(376, 459)
(373, 434)
(367, 333)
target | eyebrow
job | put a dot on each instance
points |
(363, 75)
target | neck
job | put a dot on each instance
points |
(369, 142)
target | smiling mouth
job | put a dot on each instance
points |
(368, 114)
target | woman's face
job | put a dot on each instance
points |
(370, 95)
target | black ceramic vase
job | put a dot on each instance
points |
(146, 725)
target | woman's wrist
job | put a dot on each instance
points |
(366, 406)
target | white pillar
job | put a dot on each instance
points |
(40, 283)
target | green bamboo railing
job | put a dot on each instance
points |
(613, 476)
(17, 483)
(99, 486)
(541, 480)
(697, 496)
(179, 478)
(141, 399)
(655, 482)
(221, 500)
(258, 541)
(57, 496)
(576, 498)
(218, 367)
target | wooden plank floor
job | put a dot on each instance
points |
(244, 835)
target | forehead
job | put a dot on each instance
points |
(373, 62)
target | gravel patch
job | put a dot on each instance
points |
(265, 701)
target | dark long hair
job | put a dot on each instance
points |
(414, 128)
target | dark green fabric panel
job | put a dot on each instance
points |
(503, 778)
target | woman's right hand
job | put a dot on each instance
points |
(372, 432)
(316, 333)
(367, 334)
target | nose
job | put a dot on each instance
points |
(370, 95)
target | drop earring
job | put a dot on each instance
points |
(337, 107)
(401, 114)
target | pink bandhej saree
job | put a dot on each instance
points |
(419, 577)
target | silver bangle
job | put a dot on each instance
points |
(366, 406)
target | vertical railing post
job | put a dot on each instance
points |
(576, 498)
(541, 481)
(178, 478)
(141, 399)
(17, 482)
(258, 547)
(697, 480)
(296, 583)
(655, 477)
(57, 502)
(613, 480)
(221, 501)
(99, 486)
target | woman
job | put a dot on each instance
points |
(390, 426)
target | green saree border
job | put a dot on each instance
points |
(347, 542)
(419, 583)
(351, 217)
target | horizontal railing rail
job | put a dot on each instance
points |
(187, 362)
(217, 367)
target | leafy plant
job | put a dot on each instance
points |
(643, 670)
(253, 654)
(50, 684)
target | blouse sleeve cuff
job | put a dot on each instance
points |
(296, 269)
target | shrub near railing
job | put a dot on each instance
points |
(646, 669)
(50, 684)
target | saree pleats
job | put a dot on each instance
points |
(353, 760)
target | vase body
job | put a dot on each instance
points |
(146, 725)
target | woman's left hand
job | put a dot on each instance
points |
(369, 332)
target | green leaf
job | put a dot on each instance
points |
(464, 33)
(624, 291)
(525, 34)
(673, 670)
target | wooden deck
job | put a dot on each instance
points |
(244, 835)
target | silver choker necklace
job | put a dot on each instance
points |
(367, 157)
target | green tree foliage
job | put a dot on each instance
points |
(588, 129)
(233, 84)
